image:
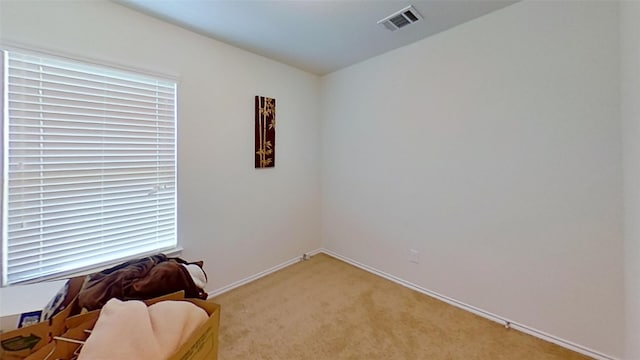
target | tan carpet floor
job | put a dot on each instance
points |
(325, 309)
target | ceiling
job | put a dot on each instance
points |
(319, 36)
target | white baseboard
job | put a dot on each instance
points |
(316, 251)
(459, 304)
(257, 276)
(485, 314)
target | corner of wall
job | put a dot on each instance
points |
(630, 115)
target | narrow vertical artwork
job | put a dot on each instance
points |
(265, 132)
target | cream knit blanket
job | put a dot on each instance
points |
(129, 330)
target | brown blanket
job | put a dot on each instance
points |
(138, 279)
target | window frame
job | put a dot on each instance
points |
(173, 250)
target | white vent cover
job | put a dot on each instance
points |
(401, 18)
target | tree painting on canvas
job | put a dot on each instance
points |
(265, 155)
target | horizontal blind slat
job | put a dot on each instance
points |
(164, 177)
(92, 169)
(99, 229)
(111, 236)
(154, 130)
(91, 197)
(88, 70)
(85, 68)
(89, 206)
(47, 68)
(56, 94)
(44, 107)
(95, 83)
(132, 213)
(151, 184)
(24, 271)
(18, 120)
(114, 174)
(91, 115)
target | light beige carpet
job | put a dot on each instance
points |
(325, 309)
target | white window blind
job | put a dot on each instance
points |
(90, 163)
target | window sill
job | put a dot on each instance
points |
(17, 299)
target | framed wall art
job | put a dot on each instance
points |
(265, 152)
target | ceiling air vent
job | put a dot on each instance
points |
(400, 19)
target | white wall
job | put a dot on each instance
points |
(494, 149)
(237, 219)
(630, 113)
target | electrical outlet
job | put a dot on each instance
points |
(414, 256)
